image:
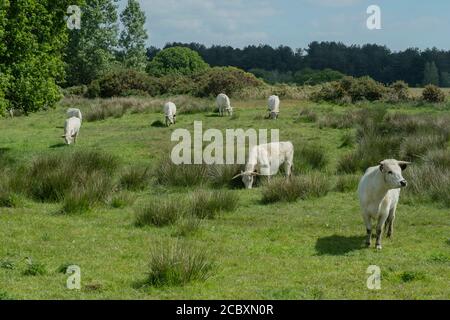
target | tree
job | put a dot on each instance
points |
(33, 35)
(132, 38)
(431, 74)
(177, 61)
(445, 79)
(90, 52)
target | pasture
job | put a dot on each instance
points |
(311, 248)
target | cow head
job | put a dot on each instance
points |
(392, 171)
(247, 178)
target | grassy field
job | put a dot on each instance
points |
(308, 249)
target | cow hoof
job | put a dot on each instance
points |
(379, 247)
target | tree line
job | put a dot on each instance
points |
(414, 66)
(39, 54)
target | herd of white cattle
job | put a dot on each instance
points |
(378, 190)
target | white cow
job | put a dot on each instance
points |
(223, 104)
(266, 160)
(170, 111)
(274, 106)
(379, 192)
(71, 130)
(74, 112)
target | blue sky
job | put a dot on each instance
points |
(405, 23)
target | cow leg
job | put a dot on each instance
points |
(390, 223)
(368, 223)
(381, 221)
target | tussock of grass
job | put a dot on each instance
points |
(310, 157)
(307, 115)
(35, 269)
(176, 264)
(312, 185)
(347, 183)
(222, 176)
(159, 212)
(122, 200)
(207, 204)
(135, 178)
(170, 174)
(187, 226)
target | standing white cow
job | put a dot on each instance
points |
(74, 112)
(266, 160)
(274, 107)
(71, 130)
(379, 192)
(170, 111)
(223, 104)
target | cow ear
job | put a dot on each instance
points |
(403, 165)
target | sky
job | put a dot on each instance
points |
(295, 23)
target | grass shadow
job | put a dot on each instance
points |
(58, 145)
(339, 245)
(158, 124)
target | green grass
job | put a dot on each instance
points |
(307, 249)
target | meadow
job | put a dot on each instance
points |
(260, 245)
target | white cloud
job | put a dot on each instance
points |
(235, 22)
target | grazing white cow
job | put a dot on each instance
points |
(223, 104)
(71, 130)
(266, 160)
(379, 191)
(74, 112)
(274, 106)
(170, 111)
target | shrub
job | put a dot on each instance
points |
(331, 92)
(433, 94)
(207, 204)
(124, 82)
(366, 88)
(76, 91)
(135, 178)
(400, 90)
(176, 264)
(228, 80)
(347, 183)
(176, 61)
(170, 174)
(303, 187)
(350, 89)
(159, 212)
